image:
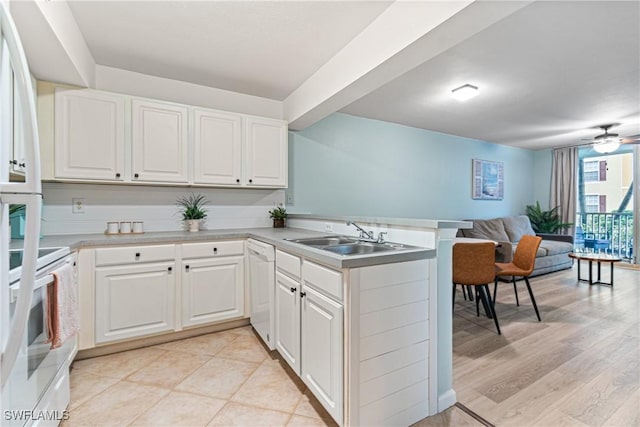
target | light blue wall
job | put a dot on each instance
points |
(347, 165)
(542, 168)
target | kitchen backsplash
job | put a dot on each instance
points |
(156, 206)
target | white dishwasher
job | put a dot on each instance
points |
(261, 282)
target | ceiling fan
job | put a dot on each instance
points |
(608, 142)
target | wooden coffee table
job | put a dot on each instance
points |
(599, 259)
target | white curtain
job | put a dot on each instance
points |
(564, 183)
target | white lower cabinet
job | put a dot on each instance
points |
(309, 328)
(322, 349)
(287, 320)
(212, 289)
(134, 300)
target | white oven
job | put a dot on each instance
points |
(39, 371)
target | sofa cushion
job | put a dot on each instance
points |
(491, 229)
(553, 247)
(517, 226)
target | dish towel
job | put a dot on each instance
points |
(62, 306)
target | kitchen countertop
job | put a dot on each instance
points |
(273, 236)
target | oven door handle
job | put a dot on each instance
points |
(41, 282)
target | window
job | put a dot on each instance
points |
(595, 170)
(595, 203)
(591, 201)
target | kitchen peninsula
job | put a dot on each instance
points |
(372, 345)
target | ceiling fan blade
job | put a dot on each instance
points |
(587, 139)
(630, 141)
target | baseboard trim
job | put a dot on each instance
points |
(446, 400)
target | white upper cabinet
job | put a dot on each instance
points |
(89, 135)
(100, 136)
(217, 147)
(160, 152)
(266, 152)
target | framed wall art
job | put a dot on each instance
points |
(488, 180)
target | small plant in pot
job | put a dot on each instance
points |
(192, 210)
(279, 216)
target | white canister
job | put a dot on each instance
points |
(138, 227)
(125, 226)
(112, 228)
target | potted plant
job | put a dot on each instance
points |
(279, 215)
(192, 210)
(545, 221)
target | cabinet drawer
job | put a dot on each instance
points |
(209, 249)
(134, 254)
(288, 264)
(323, 279)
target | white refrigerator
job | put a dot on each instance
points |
(17, 115)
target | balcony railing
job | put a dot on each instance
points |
(605, 232)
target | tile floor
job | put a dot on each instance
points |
(222, 379)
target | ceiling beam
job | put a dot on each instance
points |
(53, 43)
(404, 36)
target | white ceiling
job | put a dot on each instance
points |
(260, 48)
(547, 73)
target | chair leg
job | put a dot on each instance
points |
(495, 291)
(515, 290)
(485, 294)
(533, 300)
(477, 302)
(464, 292)
(470, 293)
(485, 299)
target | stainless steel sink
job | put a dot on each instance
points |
(359, 248)
(343, 245)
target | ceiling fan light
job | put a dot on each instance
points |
(607, 146)
(465, 92)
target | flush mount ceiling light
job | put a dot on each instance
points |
(465, 92)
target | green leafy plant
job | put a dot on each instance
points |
(546, 221)
(16, 208)
(192, 206)
(278, 213)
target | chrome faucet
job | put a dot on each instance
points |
(364, 234)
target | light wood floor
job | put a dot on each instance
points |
(578, 367)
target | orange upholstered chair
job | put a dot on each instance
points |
(474, 265)
(522, 265)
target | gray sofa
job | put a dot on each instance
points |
(552, 254)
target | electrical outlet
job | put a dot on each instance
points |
(328, 227)
(77, 205)
(289, 198)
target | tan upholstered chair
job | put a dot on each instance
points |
(474, 265)
(522, 265)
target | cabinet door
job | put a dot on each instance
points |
(287, 317)
(134, 301)
(212, 290)
(159, 142)
(322, 347)
(217, 149)
(266, 152)
(89, 135)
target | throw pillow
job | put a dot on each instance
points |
(517, 226)
(490, 229)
